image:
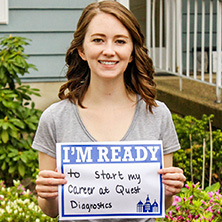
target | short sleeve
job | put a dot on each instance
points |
(168, 133)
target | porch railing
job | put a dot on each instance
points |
(189, 34)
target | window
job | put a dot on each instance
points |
(3, 11)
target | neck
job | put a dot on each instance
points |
(107, 93)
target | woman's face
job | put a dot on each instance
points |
(107, 47)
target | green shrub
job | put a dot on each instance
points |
(18, 116)
(195, 204)
(190, 128)
(18, 204)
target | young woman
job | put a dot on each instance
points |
(109, 96)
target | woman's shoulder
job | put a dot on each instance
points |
(161, 106)
(161, 110)
(59, 108)
(62, 104)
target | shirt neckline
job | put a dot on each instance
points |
(133, 122)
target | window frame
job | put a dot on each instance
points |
(4, 12)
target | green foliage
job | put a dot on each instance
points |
(18, 204)
(195, 204)
(18, 116)
(13, 60)
(189, 127)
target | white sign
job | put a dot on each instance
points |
(111, 180)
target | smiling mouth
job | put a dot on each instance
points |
(108, 62)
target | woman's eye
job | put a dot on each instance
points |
(97, 40)
(120, 41)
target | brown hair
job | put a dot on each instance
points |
(138, 76)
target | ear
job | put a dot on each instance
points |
(81, 53)
(131, 59)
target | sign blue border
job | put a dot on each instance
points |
(94, 156)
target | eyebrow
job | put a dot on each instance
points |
(117, 36)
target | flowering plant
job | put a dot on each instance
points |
(18, 204)
(195, 204)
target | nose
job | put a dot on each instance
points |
(108, 49)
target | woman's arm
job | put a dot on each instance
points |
(47, 184)
(172, 178)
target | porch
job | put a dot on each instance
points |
(195, 99)
(184, 38)
(186, 41)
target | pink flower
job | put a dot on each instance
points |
(211, 201)
(190, 217)
(176, 200)
(203, 202)
(178, 208)
(170, 215)
(210, 209)
(2, 183)
(197, 216)
(187, 186)
(217, 197)
(211, 194)
(211, 219)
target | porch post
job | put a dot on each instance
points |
(219, 50)
(148, 25)
(179, 40)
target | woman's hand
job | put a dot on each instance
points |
(173, 179)
(47, 183)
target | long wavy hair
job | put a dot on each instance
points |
(138, 76)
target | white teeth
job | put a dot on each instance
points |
(108, 62)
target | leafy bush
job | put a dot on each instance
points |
(18, 204)
(18, 116)
(192, 132)
(195, 204)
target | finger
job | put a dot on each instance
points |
(40, 188)
(170, 191)
(172, 183)
(47, 195)
(50, 181)
(170, 170)
(174, 176)
(51, 174)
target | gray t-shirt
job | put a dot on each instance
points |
(61, 122)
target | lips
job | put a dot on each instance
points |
(108, 62)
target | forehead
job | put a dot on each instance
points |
(107, 24)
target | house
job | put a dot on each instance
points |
(50, 25)
(182, 37)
